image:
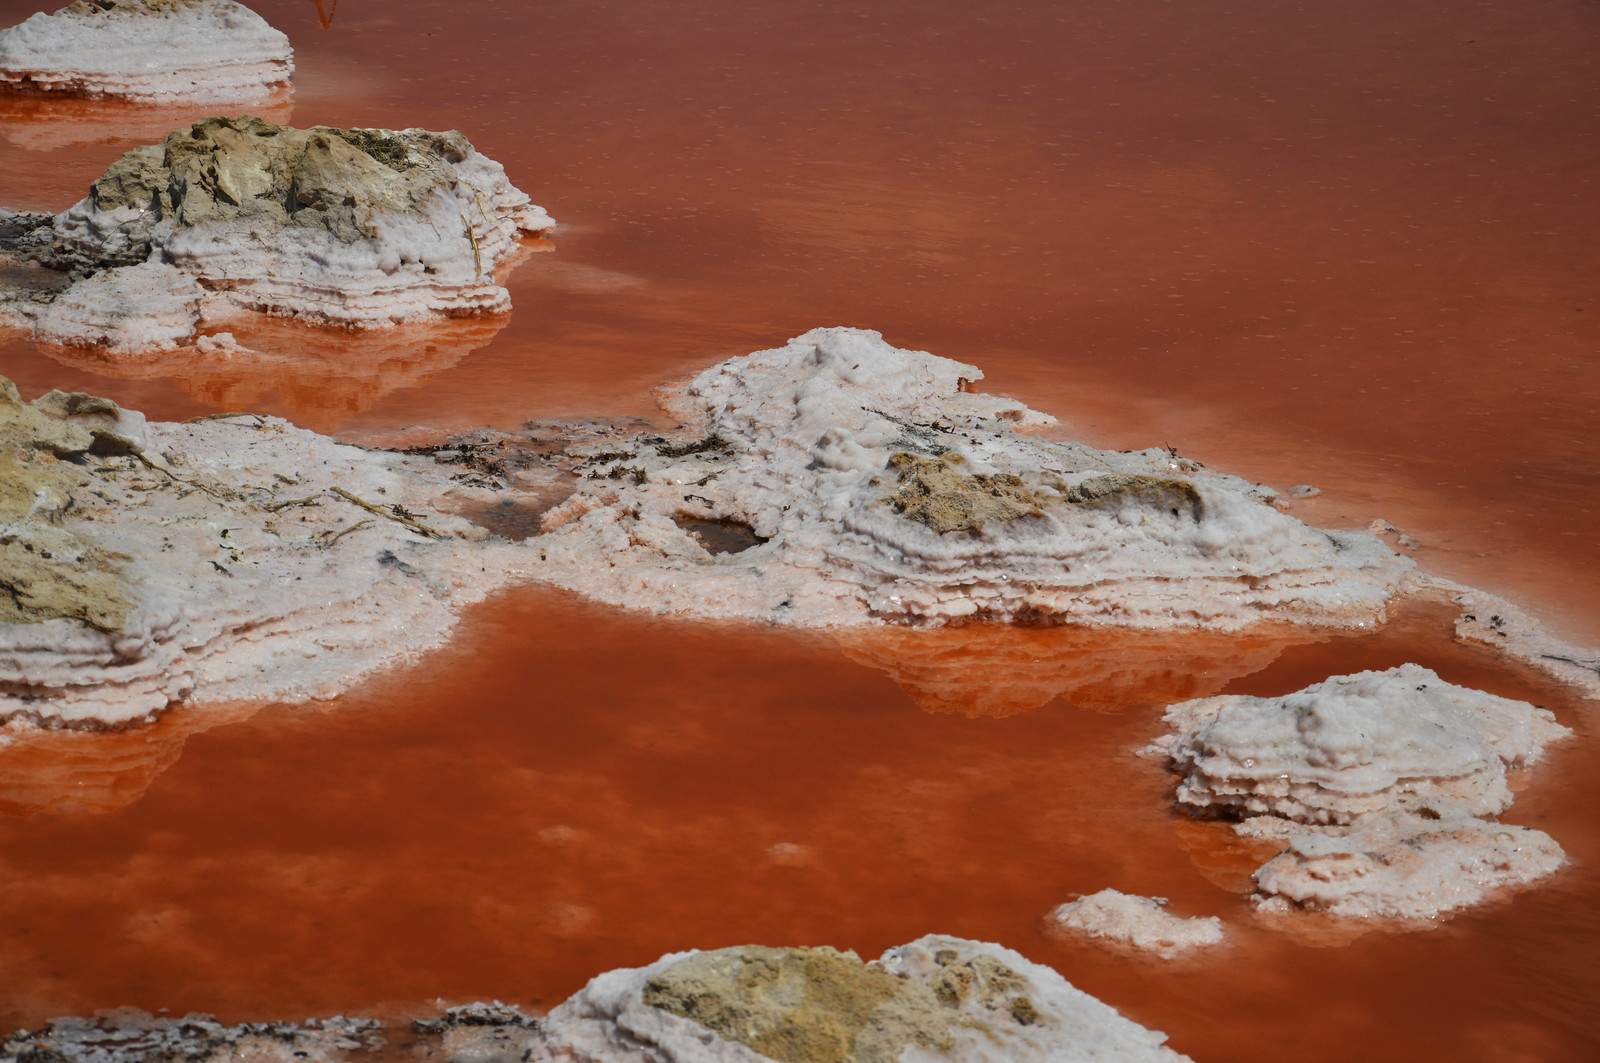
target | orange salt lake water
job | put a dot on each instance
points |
(1349, 246)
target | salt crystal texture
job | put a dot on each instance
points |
(1382, 785)
(871, 483)
(938, 998)
(154, 50)
(360, 228)
(1138, 922)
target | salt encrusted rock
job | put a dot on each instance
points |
(938, 998)
(1400, 740)
(869, 482)
(1381, 785)
(354, 227)
(143, 565)
(147, 50)
(1136, 922)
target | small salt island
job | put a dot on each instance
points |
(147, 50)
(357, 228)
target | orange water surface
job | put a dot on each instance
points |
(1348, 245)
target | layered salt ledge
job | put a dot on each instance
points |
(361, 228)
(1135, 922)
(1382, 785)
(149, 50)
(938, 998)
(875, 485)
(142, 565)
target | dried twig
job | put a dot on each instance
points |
(390, 514)
(477, 259)
(273, 507)
(260, 420)
(326, 541)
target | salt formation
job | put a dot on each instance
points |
(144, 565)
(870, 482)
(938, 998)
(147, 50)
(1382, 785)
(1137, 922)
(360, 228)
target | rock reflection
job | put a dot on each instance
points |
(50, 123)
(1000, 670)
(64, 771)
(316, 377)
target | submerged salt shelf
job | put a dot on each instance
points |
(1382, 786)
(1134, 922)
(153, 50)
(360, 228)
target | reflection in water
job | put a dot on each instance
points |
(325, 13)
(97, 773)
(45, 123)
(569, 788)
(319, 376)
(1000, 670)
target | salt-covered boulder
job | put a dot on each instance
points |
(152, 50)
(938, 998)
(359, 228)
(838, 480)
(1381, 785)
(1135, 922)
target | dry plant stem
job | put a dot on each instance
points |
(273, 507)
(414, 525)
(328, 541)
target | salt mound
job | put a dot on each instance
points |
(838, 480)
(1380, 783)
(147, 50)
(353, 227)
(938, 998)
(1371, 742)
(1138, 922)
(145, 565)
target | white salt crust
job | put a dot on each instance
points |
(1382, 785)
(806, 435)
(151, 50)
(1141, 923)
(232, 599)
(608, 1022)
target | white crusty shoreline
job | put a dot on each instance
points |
(162, 564)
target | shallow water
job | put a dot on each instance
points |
(1343, 246)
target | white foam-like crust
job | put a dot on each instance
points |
(1138, 922)
(1401, 739)
(180, 49)
(812, 426)
(144, 308)
(608, 1022)
(1403, 867)
(1381, 786)
(236, 601)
